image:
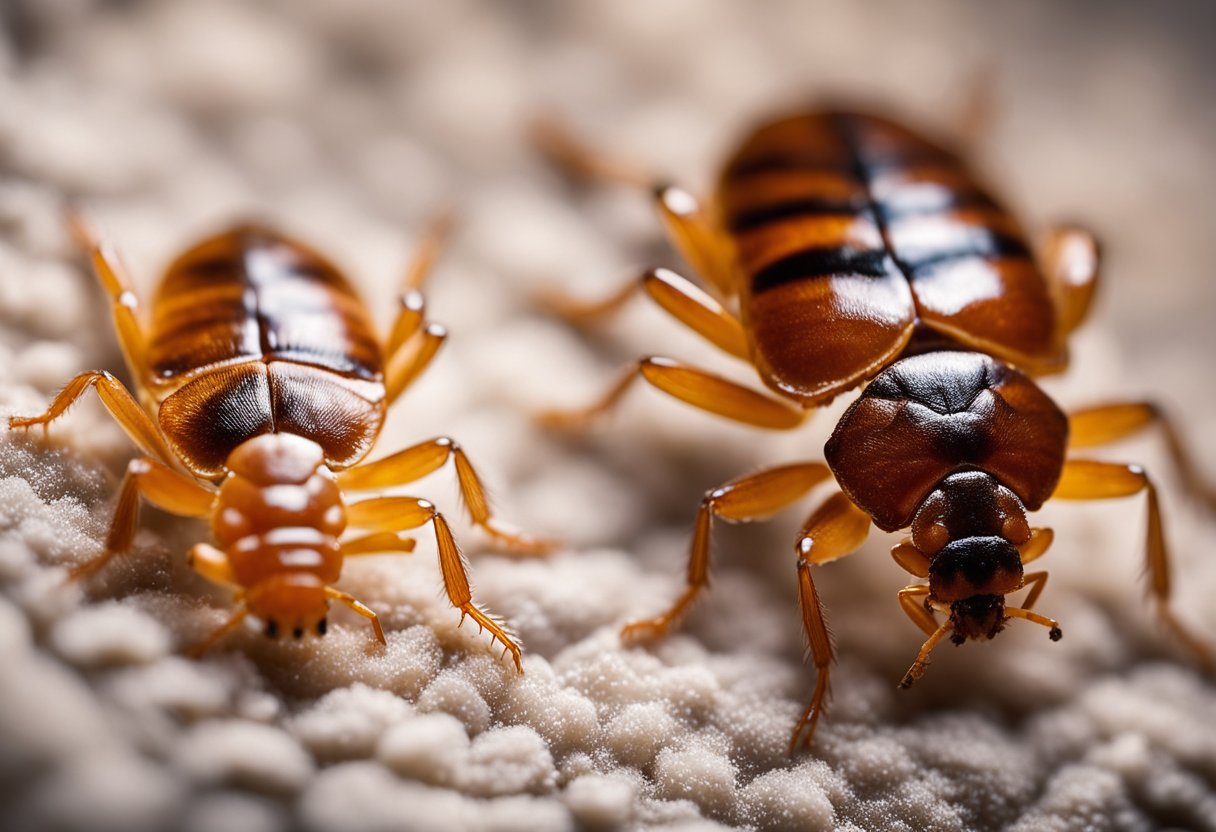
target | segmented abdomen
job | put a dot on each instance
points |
(851, 221)
(252, 293)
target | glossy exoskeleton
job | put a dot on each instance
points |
(841, 248)
(262, 385)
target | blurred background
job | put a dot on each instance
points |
(353, 123)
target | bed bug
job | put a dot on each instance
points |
(262, 386)
(842, 249)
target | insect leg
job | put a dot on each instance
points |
(911, 601)
(688, 225)
(911, 559)
(239, 615)
(1085, 479)
(1108, 423)
(403, 513)
(411, 358)
(678, 296)
(212, 564)
(835, 529)
(411, 316)
(160, 485)
(434, 239)
(1071, 260)
(132, 418)
(1037, 546)
(359, 607)
(378, 543)
(416, 462)
(1037, 581)
(124, 303)
(754, 497)
(693, 386)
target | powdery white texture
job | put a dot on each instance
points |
(352, 123)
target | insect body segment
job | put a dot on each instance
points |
(854, 236)
(841, 249)
(262, 383)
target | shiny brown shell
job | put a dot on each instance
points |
(929, 416)
(854, 236)
(253, 333)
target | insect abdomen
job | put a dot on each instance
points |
(853, 234)
(252, 293)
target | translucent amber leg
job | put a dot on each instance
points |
(132, 418)
(161, 486)
(835, 529)
(690, 385)
(422, 459)
(1085, 479)
(749, 498)
(403, 513)
(676, 295)
(1109, 423)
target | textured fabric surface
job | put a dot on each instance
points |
(350, 124)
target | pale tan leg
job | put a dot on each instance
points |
(1071, 260)
(911, 601)
(1037, 546)
(434, 240)
(132, 418)
(922, 658)
(239, 615)
(212, 564)
(1100, 425)
(378, 543)
(160, 485)
(124, 303)
(1037, 581)
(676, 295)
(688, 225)
(422, 459)
(412, 315)
(754, 497)
(1084, 479)
(692, 386)
(411, 359)
(403, 513)
(569, 154)
(835, 529)
(359, 607)
(911, 559)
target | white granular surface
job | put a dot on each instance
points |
(350, 123)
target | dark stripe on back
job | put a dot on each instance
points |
(809, 207)
(819, 262)
(920, 205)
(985, 244)
(785, 160)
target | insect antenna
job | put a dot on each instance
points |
(1053, 626)
(922, 658)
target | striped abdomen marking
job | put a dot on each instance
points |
(852, 231)
(252, 293)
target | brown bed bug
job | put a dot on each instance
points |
(841, 248)
(262, 386)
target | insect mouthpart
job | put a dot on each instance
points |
(981, 616)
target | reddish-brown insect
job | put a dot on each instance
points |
(262, 385)
(840, 248)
